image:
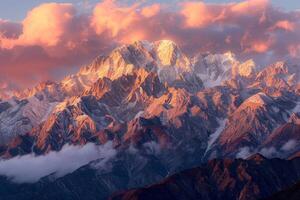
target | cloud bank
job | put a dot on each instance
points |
(55, 37)
(30, 168)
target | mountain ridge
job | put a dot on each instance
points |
(161, 111)
(162, 79)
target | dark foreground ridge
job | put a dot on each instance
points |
(254, 178)
(292, 193)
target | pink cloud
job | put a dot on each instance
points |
(108, 16)
(44, 25)
(126, 24)
(285, 25)
(249, 7)
(199, 14)
(151, 11)
(55, 37)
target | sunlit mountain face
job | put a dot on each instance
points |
(150, 100)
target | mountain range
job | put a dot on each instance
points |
(163, 112)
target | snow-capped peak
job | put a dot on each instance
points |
(246, 69)
(167, 52)
(214, 69)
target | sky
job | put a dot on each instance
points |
(41, 40)
(13, 10)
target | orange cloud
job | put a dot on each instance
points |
(127, 24)
(285, 25)
(44, 25)
(108, 16)
(199, 14)
(249, 6)
(151, 11)
(259, 47)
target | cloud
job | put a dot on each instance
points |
(9, 29)
(285, 25)
(152, 147)
(200, 14)
(151, 11)
(272, 152)
(108, 16)
(30, 168)
(289, 145)
(44, 25)
(55, 37)
(269, 152)
(127, 24)
(244, 153)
